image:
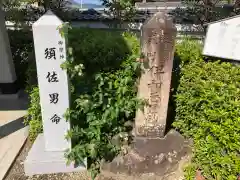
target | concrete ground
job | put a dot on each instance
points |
(13, 133)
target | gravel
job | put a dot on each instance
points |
(17, 170)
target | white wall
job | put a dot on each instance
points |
(183, 29)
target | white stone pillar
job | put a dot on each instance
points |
(47, 153)
(7, 70)
(50, 52)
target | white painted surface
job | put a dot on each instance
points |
(223, 39)
(184, 28)
(7, 71)
(46, 35)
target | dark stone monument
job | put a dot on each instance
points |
(8, 77)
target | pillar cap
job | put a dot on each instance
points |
(160, 20)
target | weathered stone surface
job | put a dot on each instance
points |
(157, 156)
(158, 37)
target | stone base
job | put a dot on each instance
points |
(9, 96)
(39, 161)
(9, 88)
(159, 157)
(18, 101)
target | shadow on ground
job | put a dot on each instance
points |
(11, 127)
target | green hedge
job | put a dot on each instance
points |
(208, 111)
(103, 71)
(103, 94)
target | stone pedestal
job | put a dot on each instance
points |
(159, 157)
(7, 72)
(40, 161)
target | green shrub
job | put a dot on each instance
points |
(208, 111)
(21, 43)
(104, 97)
(103, 71)
(97, 49)
(34, 116)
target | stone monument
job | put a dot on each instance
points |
(7, 70)
(47, 153)
(158, 37)
(153, 151)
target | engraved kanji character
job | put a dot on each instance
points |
(52, 77)
(50, 53)
(54, 98)
(55, 119)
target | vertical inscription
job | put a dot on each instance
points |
(154, 85)
(155, 72)
(50, 51)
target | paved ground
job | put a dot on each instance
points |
(13, 133)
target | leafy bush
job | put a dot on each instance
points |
(34, 116)
(103, 71)
(21, 43)
(104, 97)
(208, 111)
